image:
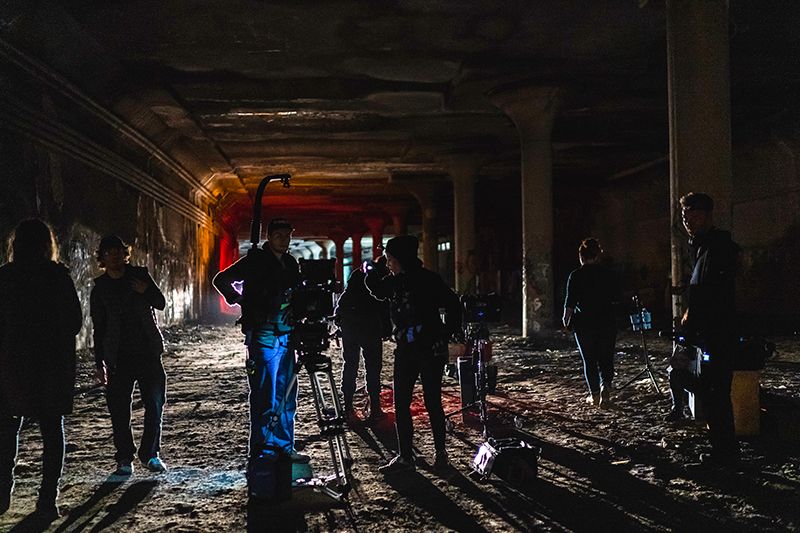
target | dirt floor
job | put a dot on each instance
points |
(600, 470)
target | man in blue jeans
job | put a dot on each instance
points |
(267, 276)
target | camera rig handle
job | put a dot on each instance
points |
(255, 227)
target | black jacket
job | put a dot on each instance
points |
(415, 297)
(356, 308)
(712, 287)
(107, 306)
(39, 317)
(591, 291)
(266, 285)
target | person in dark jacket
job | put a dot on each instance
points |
(710, 321)
(267, 276)
(127, 349)
(589, 312)
(416, 295)
(362, 320)
(40, 315)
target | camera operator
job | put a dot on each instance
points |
(363, 321)
(709, 320)
(268, 276)
(416, 295)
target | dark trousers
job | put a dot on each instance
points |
(596, 346)
(408, 365)
(119, 394)
(713, 388)
(272, 370)
(52, 428)
(356, 340)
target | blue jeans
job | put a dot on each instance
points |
(597, 351)
(52, 428)
(272, 366)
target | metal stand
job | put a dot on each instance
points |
(648, 369)
(641, 321)
(331, 422)
(476, 335)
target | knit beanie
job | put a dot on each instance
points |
(404, 249)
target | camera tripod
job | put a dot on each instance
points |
(330, 417)
(641, 321)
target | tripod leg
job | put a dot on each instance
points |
(332, 427)
(634, 378)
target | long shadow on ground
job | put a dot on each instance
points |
(87, 508)
(424, 495)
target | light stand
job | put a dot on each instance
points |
(641, 321)
(477, 338)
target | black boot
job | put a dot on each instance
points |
(5, 500)
(46, 507)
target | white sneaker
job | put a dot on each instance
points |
(154, 464)
(396, 465)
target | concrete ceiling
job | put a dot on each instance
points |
(345, 94)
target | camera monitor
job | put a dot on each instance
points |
(318, 271)
(482, 308)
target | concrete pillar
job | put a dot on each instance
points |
(698, 68)
(463, 171)
(356, 249)
(424, 193)
(325, 249)
(533, 110)
(338, 239)
(375, 225)
(305, 252)
(399, 219)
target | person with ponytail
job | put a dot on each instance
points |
(589, 313)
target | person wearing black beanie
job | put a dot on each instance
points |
(416, 295)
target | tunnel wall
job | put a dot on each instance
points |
(83, 204)
(73, 164)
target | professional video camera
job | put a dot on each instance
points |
(312, 306)
(312, 312)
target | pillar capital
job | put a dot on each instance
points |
(533, 108)
(374, 222)
(462, 166)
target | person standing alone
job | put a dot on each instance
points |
(128, 348)
(710, 320)
(589, 312)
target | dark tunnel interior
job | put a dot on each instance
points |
(500, 134)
